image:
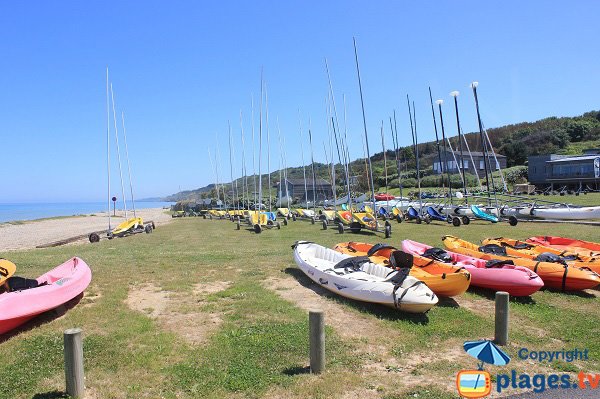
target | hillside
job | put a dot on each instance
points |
(564, 135)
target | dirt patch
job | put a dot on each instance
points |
(372, 339)
(481, 307)
(167, 309)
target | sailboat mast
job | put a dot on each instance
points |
(128, 163)
(108, 197)
(312, 164)
(244, 171)
(413, 131)
(437, 139)
(362, 103)
(118, 151)
(439, 103)
(268, 145)
(303, 164)
(472, 160)
(398, 156)
(231, 167)
(260, 142)
(384, 166)
(253, 151)
(462, 162)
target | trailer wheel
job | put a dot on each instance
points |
(388, 231)
(294, 218)
(312, 220)
(257, 228)
(324, 222)
(148, 229)
(278, 225)
(94, 237)
(418, 220)
(513, 221)
(238, 225)
(285, 221)
(399, 218)
(466, 220)
(456, 222)
(269, 222)
(427, 219)
(340, 228)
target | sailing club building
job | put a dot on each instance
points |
(473, 163)
(322, 189)
(565, 171)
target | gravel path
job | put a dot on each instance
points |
(38, 232)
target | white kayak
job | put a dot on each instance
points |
(358, 278)
(567, 213)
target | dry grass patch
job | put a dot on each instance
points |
(179, 312)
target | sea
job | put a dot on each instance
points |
(39, 210)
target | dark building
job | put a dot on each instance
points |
(467, 164)
(557, 171)
(322, 189)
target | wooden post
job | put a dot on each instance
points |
(317, 341)
(73, 348)
(501, 333)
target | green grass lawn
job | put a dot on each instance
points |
(259, 347)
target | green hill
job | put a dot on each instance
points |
(564, 135)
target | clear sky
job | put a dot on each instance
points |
(182, 69)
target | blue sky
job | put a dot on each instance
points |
(182, 69)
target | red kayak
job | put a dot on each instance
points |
(384, 197)
(567, 244)
(493, 275)
(55, 288)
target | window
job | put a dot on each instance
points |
(481, 164)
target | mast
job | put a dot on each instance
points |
(260, 143)
(398, 157)
(303, 164)
(462, 162)
(472, 160)
(217, 167)
(439, 103)
(384, 167)
(365, 127)
(118, 151)
(437, 139)
(108, 150)
(212, 165)
(233, 190)
(244, 171)
(128, 163)
(415, 149)
(312, 164)
(483, 143)
(268, 145)
(253, 151)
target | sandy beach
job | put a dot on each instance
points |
(29, 234)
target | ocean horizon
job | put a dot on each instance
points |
(10, 212)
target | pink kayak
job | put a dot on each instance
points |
(497, 276)
(62, 284)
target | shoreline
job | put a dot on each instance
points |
(29, 234)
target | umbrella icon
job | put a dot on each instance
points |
(486, 352)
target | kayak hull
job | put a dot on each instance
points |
(64, 283)
(516, 280)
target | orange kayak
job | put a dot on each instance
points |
(570, 244)
(554, 275)
(443, 280)
(541, 252)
